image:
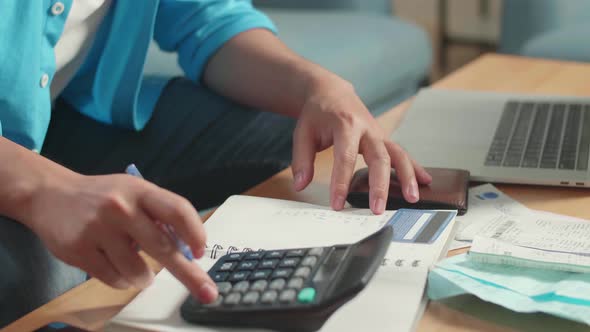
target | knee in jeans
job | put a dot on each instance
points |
(12, 279)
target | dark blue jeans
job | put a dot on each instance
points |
(197, 144)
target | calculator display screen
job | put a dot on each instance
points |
(326, 270)
(361, 257)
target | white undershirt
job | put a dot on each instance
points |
(72, 47)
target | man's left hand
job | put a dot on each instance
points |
(333, 114)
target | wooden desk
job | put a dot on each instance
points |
(92, 303)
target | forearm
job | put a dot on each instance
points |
(256, 69)
(22, 173)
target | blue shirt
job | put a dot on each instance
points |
(109, 87)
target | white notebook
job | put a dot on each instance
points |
(393, 300)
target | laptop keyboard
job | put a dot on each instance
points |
(542, 135)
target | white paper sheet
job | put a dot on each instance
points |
(392, 301)
(495, 215)
(519, 289)
(493, 251)
(486, 204)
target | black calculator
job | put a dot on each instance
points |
(288, 290)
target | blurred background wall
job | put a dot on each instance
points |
(460, 30)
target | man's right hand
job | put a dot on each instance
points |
(97, 223)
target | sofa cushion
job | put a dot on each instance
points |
(380, 55)
(570, 43)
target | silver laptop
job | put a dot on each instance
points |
(511, 138)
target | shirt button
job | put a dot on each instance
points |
(58, 8)
(44, 80)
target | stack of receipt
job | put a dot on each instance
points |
(559, 293)
(524, 260)
(492, 251)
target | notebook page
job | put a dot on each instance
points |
(251, 223)
(245, 223)
(157, 307)
(254, 222)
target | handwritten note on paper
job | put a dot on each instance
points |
(358, 216)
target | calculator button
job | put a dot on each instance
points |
(277, 284)
(233, 257)
(306, 295)
(223, 287)
(274, 254)
(259, 285)
(289, 262)
(309, 261)
(260, 274)
(227, 266)
(303, 272)
(282, 273)
(287, 296)
(269, 263)
(295, 283)
(250, 298)
(239, 276)
(232, 299)
(220, 276)
(247, 265)
(296, 253)
(241, 286)
(255, 255)
(316, 252)
(269, 297)
(215, 303)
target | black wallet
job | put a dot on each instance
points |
(448, 190)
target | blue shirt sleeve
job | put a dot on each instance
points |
(196, 29)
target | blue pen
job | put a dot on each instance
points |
(181, 245)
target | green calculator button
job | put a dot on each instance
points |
(306, 295)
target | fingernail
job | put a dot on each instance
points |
(207, 293)
(298, 179)
(199, 253)
(338, 202)
(379, 205)
(413, 191)
(145, 280)
(121, 284)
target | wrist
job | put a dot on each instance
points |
(44, 178)
(322, 82)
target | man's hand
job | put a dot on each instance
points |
(334, 115)
(97, 223)
(255, 68)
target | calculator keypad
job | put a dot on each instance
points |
(303, 272)
(265, 277)
(239, 276)
(223, 287)
(219, 276)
